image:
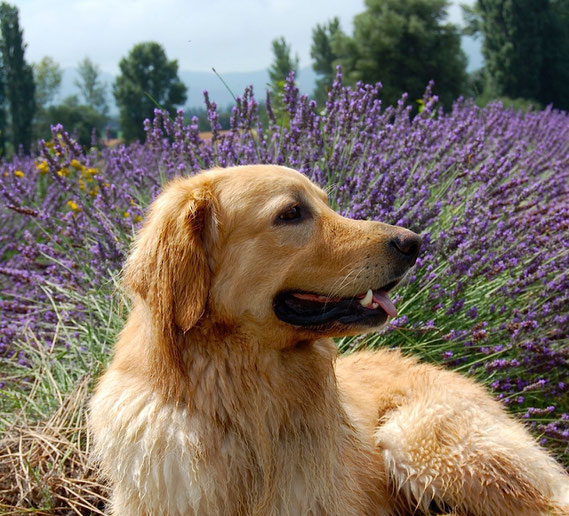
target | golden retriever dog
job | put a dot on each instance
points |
(225, 395)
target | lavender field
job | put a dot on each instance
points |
(487, 188)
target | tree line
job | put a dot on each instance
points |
(148, 79)
(401, 43)
(406, 43)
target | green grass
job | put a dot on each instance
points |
(45, 466)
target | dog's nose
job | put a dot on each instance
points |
(407, 246)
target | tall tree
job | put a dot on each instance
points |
(324, 56)
(3, 125)
(404, 44)
(525, 46)
(283, 63)
(47, 77)
(92, 88)
(554, 84)
(18, 77)
(147, 80)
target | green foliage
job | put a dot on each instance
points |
(472, 20)
(47, 76)
(526, 48)
(147, 81)
(92, 89)
(78, 119)
(324, 56)
(2, 109)
(282, 65)
(477, 83)
(519, 104)
(404, 44)
(18, 78)
(554, 73)
(513, 44)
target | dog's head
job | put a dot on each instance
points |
(259, 246)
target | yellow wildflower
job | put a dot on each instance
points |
(126, 214)
(137, 218)
(43, 167)
(73, 205)
(81, 184)
(19, 173)
(94, 192)
(64, 172)
(88, 173)
(76, 165)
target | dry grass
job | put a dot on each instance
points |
(45, 467)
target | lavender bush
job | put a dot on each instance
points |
(486, 187)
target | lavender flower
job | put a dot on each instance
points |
(488, 189)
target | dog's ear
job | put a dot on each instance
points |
(168, 266)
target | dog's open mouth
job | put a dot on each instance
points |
(369, 308)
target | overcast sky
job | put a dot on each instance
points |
(230, 35)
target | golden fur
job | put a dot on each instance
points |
(213, 405)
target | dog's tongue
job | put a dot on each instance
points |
(379, 296)
(382, 299)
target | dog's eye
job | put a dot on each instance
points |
(291, 213)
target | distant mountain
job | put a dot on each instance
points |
(197, 82)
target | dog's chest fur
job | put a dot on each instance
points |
(165, 458)
(249, 455)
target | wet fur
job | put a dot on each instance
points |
(213, 406)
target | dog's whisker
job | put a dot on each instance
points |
(338, 284)
(343, 282)
(346, 280)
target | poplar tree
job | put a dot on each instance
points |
(47, 77)
(18, 78)
(92, 88)
(2, 110)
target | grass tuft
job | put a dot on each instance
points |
(45, 467)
